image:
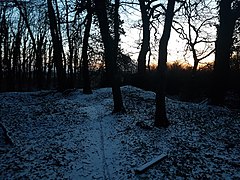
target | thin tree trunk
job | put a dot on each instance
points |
(1, 61)
(60, 36)
(16, 56)
(195, 63)
(161, 119)
(50, 66)
(30, 66)
(146, 38)
(70, 45)
(75, 61)
(45, 59)
(6, 59)
(35, 48)
(1, 65)
(39, 62)
(24, 56)
(86, 79)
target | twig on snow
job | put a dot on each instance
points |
(147, 165)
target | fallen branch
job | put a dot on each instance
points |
(144, 167)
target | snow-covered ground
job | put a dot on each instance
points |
(75, 136)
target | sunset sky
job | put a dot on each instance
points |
(175, 47)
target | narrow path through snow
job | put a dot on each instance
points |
(75, 136)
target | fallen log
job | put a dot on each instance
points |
(147, 165)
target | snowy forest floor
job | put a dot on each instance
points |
(75, 136)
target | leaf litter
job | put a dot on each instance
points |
(75, 136)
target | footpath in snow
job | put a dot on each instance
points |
(75, 136)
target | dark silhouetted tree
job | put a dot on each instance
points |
(194, 26)
(37, 44)
(146, 36)
(147, 8)
(86, 79)
(161, 119)
(229, 12)
(57, 48)
(70, 46)
(16, 52)
(109, 49)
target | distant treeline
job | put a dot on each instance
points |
(182, 85)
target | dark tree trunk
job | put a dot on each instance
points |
(1, 50)
(117, 95)
(195, 63)
(6, 59)
(35, 48)
(30, 66)
(39, 63)
(58, 21)
(1, 53)
(75, 61)
(16, 57)
(71, 49)
(24, 62)
(50, 65)
(146, 38)
(57, 48)
(45, 60)
(109, 48)
(161, 119)
(1, 60)
(1, 66)
(223, 46)
(86, 79)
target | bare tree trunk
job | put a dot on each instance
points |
(1, 51)
(110, 61)
(57, 48)
(24, 63)
(58, 21)
(70, 45)
(146, 38)
(1, 60)
(195, 63)
(39, 62)
(50, 65)
(75, 61)
(35, 48)
(45, 59)
(6, 59)
(16, 56)
(117, 95)
(223, 45)
(30, 66)
(161, 119)
(86, 79)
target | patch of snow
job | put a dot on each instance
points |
(75, 136)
